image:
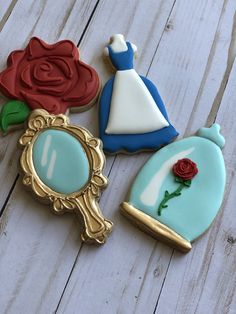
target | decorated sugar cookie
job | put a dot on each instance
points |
(132, 116)
(50, 77)
(62, 164)
(179, 191)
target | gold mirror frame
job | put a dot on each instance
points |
(84, 202)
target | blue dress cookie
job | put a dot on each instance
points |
(132, 116)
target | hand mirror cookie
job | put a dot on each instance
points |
(62, 164)
(46, 76)
(132, 115)
(179, 191)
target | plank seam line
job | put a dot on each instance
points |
(14, 183)
(7, 14)
(205, 75)
(163, 283)
(17, 177)
(87, 24)
(219, 95)
(66, 19)
(68, 279)
(158, 44)
(211, 239)
(214, 110)
(230, 61)
(81, 246)
(146, 273)
(9, 195)
(31, 34)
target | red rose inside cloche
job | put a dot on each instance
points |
(184, 170)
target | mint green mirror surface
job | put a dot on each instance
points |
(60, 161)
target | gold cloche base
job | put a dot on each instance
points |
(155, 228)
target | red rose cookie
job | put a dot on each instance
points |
(46, 76)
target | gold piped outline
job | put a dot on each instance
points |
(83, 202)
(155, 228)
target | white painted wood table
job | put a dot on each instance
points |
(187, 47)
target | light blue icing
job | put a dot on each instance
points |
(193, 211)
(60, 161)
(213, 134)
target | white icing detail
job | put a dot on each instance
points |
(134, 47)
(51, 164)
(45, 150)
(118, 43)
(150, 194)
(133, 110)
(106, 52)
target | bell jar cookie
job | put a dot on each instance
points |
(179, 191)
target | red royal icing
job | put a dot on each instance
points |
(185, 169)
(49, 76)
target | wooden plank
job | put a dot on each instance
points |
(31, 237)
(46, 20)
(130, 272)
(20, 241)
(6, 6)
(129, 279)
(205, 280)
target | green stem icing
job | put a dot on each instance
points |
(176, 193)
(13, 112)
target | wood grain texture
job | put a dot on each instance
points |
(180, 78)
(58, 281)
(45, 19)
(19, 248)
(188, 49)
(206, 278)
(6, 9)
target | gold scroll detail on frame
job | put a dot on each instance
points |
(83, 202)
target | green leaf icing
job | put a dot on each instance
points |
(13, 112)
(184, 182)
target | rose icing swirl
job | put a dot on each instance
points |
(49, 76)
(185, 169)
